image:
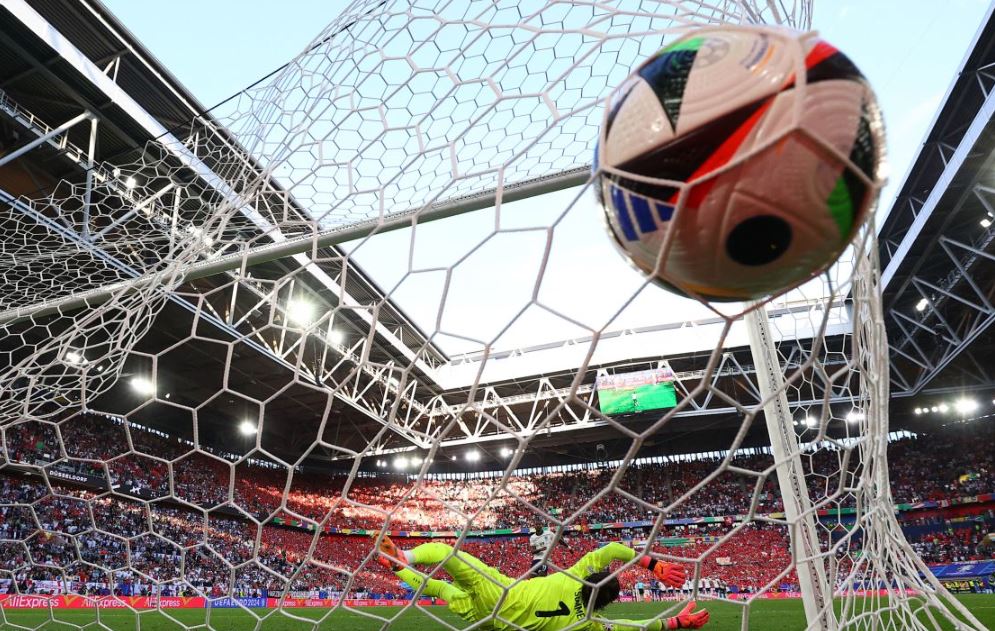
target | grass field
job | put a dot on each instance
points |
(771, 615)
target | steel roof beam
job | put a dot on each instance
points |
(981, 121)
(203, 314)
(63, 47)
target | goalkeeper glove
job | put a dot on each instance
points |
(688, 619)
(668, 573)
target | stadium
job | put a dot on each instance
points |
(352, 348)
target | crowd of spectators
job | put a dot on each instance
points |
(193, 523)
(940, 540)
(943, 465)
(150, 465)
(130, 546)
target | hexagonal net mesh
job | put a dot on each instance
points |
(225, 279)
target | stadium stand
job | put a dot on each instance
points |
(47, 535)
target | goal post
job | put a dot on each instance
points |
(816, 591)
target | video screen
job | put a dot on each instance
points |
(633, 392)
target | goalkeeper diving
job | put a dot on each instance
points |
(545, 603)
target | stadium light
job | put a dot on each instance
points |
(944, 408)
(400, 463)
(335, 336)
(921, 305)
(854, 416)
(934, 409)
(416, 462)
(918, 410)
(472, 456)
(300, 311)
(453, 458)
(506, 452)
(142, 385)
(130, 182)
(75, 358)
(248, 428)
(810, 421)
(965, 406)
(986, 222)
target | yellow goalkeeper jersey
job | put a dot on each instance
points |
(553, 603)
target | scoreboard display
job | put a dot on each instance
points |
(633, 392)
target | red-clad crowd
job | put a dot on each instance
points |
(178, 520)
(140, 463)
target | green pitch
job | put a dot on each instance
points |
(770, 615)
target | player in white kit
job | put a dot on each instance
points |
(540, 542)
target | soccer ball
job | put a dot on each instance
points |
(724, 176)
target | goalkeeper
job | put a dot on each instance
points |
(546, 603)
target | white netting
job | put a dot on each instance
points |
(215, 297)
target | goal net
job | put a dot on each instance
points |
(231, 367)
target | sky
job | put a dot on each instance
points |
(908, 49)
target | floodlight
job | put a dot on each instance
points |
(965, 406)
(300, 311)
(142, 385)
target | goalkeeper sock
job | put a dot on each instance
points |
(428, 554)
(433, 587)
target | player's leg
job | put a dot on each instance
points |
(539, 567)
(467, 570)
(434, 588)
(397, 561)
(480, 586)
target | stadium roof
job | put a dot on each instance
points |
(936, 243)
(51, 74)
